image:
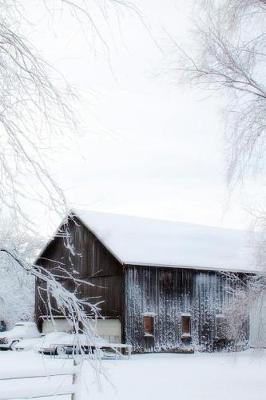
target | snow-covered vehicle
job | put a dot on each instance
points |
(21, 330)
(61, 343)
(29, 344)
(41, 342)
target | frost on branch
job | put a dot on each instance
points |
(17, 285)
(59, 299)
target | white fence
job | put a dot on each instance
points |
(34, 391)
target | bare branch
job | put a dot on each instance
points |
(231, 58)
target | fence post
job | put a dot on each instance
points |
(74, 380)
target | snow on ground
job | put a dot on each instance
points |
(220, 376)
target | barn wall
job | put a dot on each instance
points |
(169, 293)
(91, 262)
(258, 322)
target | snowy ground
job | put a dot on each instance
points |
(156, 376)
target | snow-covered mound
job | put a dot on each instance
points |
(142, 241)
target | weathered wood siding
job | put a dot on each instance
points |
(169, 293)
(90, 261)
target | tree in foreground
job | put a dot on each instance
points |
(33, 111)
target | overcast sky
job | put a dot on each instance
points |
(146, 145)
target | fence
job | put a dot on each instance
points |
(39, 392)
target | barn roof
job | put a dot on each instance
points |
(142, 241)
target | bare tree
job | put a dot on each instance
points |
(32, 109)
(17, 286)
(229, 59)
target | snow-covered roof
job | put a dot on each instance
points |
(142, 241)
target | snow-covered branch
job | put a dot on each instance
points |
(68, 304)
(228, 58)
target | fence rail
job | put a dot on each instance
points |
(42, 391)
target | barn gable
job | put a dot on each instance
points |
(82, 253)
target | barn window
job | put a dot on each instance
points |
(148, 325)
(186, 325)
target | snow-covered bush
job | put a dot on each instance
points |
(16, 292)
(17, 287)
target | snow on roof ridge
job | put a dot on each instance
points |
(144, 241)
(76, 211)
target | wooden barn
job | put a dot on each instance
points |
(165, 286)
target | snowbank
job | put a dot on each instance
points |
(219, 376)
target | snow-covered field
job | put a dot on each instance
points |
(221, 376)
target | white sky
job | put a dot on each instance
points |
(147, 146)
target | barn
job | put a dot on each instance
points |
(165, 286)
